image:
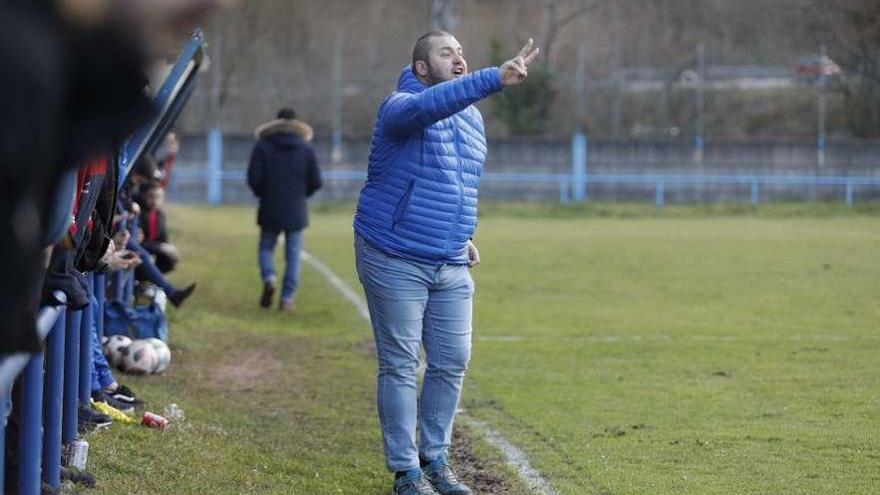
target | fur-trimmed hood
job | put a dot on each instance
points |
(278, 126)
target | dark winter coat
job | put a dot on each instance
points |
(283, 172)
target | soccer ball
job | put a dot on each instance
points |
(113, 348)
(139, 358)
(163, 354)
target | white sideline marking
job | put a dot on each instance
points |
(337, 282)
(515, 457)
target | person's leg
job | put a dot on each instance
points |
(165, 263)
(148, 270)
(266, 259)
(266, 254)
(447, 339)
(396, 293)
(292, 247)
(102, 377)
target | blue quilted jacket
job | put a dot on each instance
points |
(428, 150)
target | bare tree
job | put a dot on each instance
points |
(444, 15)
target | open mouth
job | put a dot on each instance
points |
(458, 71)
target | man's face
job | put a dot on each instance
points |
(155, 198)
(445, 61)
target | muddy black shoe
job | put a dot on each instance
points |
(78, 477)
(443, 478)
(268, 292)
(177, 297)
(413, 483)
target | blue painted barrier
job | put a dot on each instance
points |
(71, 377)
(54, 392)
(754, 182)
(31, 420)
(85, 355)
(99, 285)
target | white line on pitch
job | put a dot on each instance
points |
(515, 457)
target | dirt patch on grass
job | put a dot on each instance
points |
(366, 347)
(250, 369)
(480, 474)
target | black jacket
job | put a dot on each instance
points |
(283, 172)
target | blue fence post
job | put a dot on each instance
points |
(215, 166)
(563, 191)
(53, 395)
(658, 194)
(71, 377)
(579, 166)
(754, 198)
(849, 194)
(31, 420)
(85, 355)
(99, 286)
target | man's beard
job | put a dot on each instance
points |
(435, 77)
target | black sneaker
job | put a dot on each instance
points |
(46, 489)
(101, 396)
(268, 292)
(443, 478)
(92, 418)
(78, 477)
(177, 297)
(413, 483)
(124, 394)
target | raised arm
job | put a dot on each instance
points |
(405, 113)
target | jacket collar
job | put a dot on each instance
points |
(408, 82)
(278, 126)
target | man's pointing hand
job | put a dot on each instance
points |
(515, 70)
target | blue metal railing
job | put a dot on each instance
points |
(659, 182)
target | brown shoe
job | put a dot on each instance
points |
(268, 292)
(286, 306)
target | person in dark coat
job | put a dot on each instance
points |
(283, 172)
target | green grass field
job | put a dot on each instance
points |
(696, 351)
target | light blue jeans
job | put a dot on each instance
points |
(413, 304)
(292, 247)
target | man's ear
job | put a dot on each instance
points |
(421, 68)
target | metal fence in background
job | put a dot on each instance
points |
(520, 169)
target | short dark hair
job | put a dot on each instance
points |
(423, 46)
(286, 113)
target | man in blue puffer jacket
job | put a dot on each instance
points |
(413, 228)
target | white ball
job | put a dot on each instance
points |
(163, 354)
(113, 348)
(139, 358)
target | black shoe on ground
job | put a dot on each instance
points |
(268, 292)
(101, 396)
(92, 418)
(78, 477)
(178, 296)
(46, 489)
(124, 394)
